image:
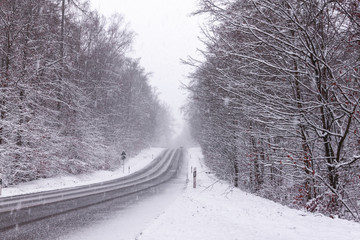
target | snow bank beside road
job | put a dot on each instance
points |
(216, 211)
(135, 163)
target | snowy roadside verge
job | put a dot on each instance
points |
(135, 163)
(216, 211)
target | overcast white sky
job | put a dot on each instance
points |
(165, 33)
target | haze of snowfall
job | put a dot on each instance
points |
(274, 102)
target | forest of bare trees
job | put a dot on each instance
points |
(275, 102)
(71, 99)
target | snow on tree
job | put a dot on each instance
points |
(275, 104)
(71, 99)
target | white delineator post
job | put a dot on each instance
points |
(0, 185)
(194, 178)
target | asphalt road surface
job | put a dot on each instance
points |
(59, 213)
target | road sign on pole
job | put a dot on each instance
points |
(123, 155)
(194, 178)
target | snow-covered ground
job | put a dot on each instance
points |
(216, 211)
(135, 163)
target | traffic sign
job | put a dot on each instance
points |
(123, 155)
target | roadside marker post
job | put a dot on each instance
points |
(194, 178)
(0, 185)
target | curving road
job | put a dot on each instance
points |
(22, 217)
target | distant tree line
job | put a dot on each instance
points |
(275, 101)
(71, 100)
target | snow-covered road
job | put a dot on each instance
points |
(127, 222)
(84, 220)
